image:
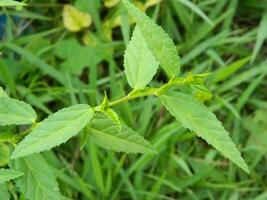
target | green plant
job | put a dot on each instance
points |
(149, 48)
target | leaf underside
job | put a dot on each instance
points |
(198, 118)
(55, 130)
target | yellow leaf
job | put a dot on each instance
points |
(150, 3)
(75, 20)
(110, 3)
(139, 5)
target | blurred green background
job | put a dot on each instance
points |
(50, 66)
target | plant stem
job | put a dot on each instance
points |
(144, 92)
(151, 91)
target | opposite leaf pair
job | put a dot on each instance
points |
(151, 46)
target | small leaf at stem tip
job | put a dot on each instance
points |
(104, 103)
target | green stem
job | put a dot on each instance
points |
(134, 94)
(150, 92)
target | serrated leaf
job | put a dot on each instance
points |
(55, 130)
(158, 41)
(84, 137)
(139, 63)
(9, 174)
(75, 20)
(38, 181)
(4, 195)
(198, 118)
(261, 35)
(17, 112)
(11, 3)
(105, 133)
(2, 93)
(114, 117)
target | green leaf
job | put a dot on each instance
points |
(158, 41)
(13, 111)
(4, 153)
(198, 118)
(227, 71)
(261, 36)
(77, 57)
(55, 130)
(105, 133)
(140, 65)
(38, 181)
(9, 174)
(11, 3)
(2, 93)
(4, 195)
(196, 10)
(201, 93)
(109, 112)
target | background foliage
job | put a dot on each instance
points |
(52, 64)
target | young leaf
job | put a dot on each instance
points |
(158, 41)
(55, 130)
(196, 117)
(74, 20)
(13, 111)
(4, 194)
(140, 65)
(105, 133)
(38, 181)
(9, 174)
(109, 112)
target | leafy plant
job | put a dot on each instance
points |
(149, 48)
